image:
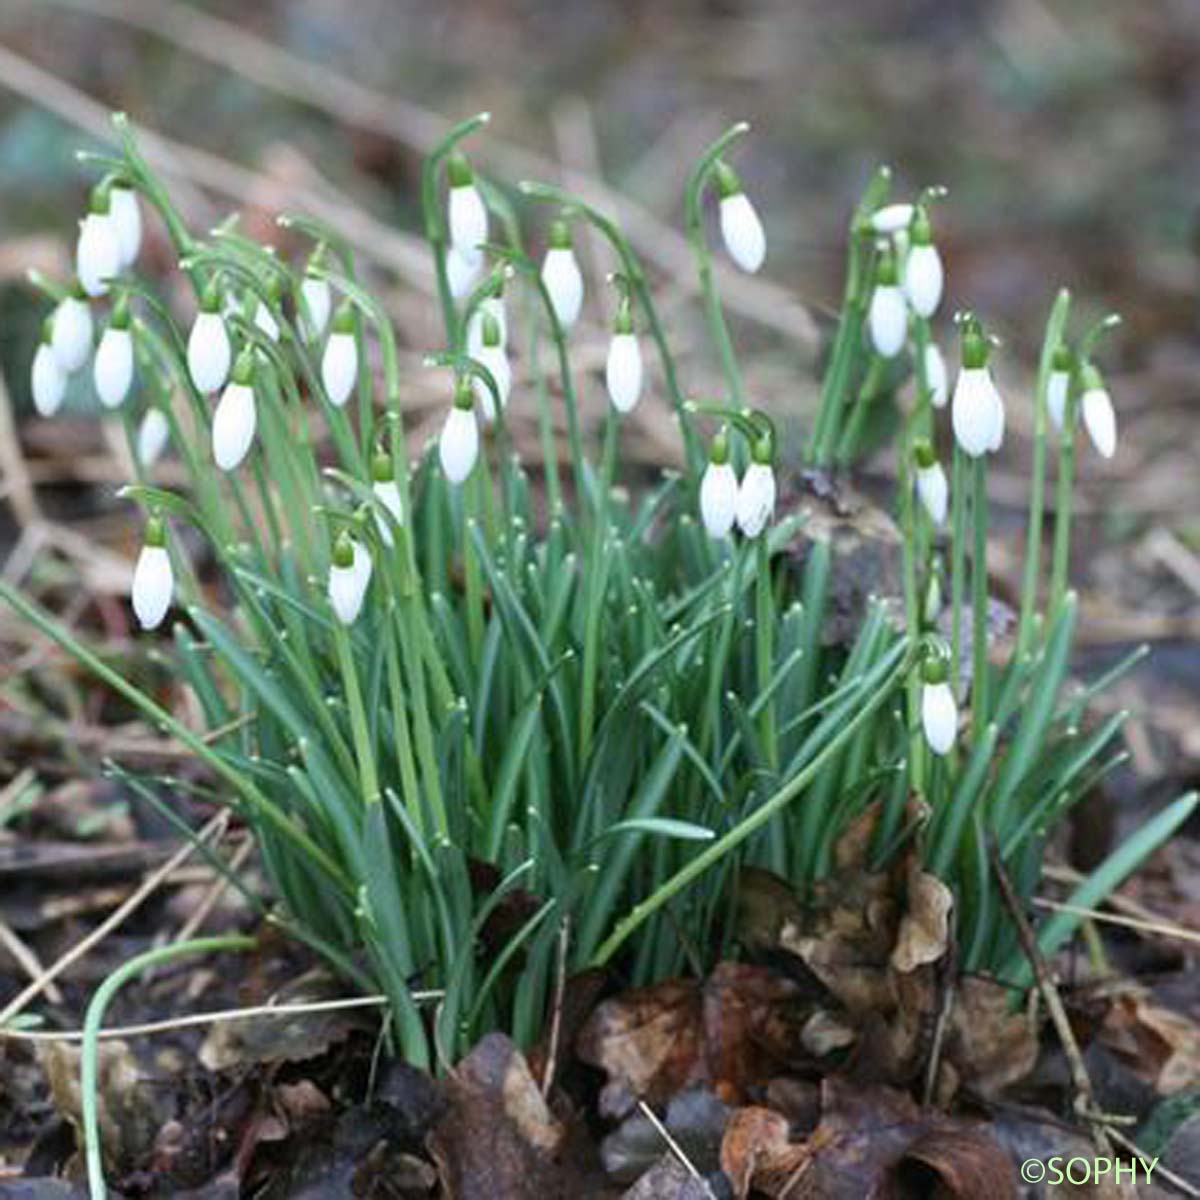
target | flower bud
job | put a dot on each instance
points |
(1099, 417)
(623, 368)
(923, 273)
(127, 221)
(98, 251)
(490, 306)
(741, 229)
(458, 445)
(339, 364)
(936, 378)
(71, 335)
(978, 411)
(152, 436)
(349, 578)
(467, 214)
(887, 317)
(209, 352)
(1058, 387)
(318, 304)
(153, 579)
(112, 370)
(892, 218)
(48, 381)
(719, 490)
(939, 712)
(562, 277)
(386, 491)
(236, 416)
(756, 496)
(932, 486)
(491, 354)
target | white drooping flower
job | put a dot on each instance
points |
(458, 445)
(387, 492)
(48, 381)
(923, 273)
(152, 436)
(98, 251)
(932, 485)
(562, 277)
(318, 304)
(741, 229)
(936, 378)
(127, 220)
(887, 317)
(1058, 385)
(264, 320)
(462, 270)
(466, 214)
(492, 306)
(236, 416)
(349, 578)
(892, 218)
(756, 498)
(71, 337)
(339, 363)
(977, 410)
(1099, 417)
(623, 367)
(153, 579)
(719, 490)
(939, 715)
(209, 352)
(112, 369)
(491, 354)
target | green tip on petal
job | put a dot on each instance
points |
(120, 318)
(381, 468)
(887, 274)
(718, 451)
(920, 232)
(98, 202)
(343, 319)
(934, 670)
(728, 183)
(210, 298)
(923, 453)
(458, 171)
(763, 450)
(48, 329)
(1090, 378)
(491, 330)
(974, 346)
(464, 394)
(623, 321)
(243, 368)
(560, 235)
(343, 551)
(156, 532)
(1063, 359)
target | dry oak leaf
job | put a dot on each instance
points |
(1162, 1046)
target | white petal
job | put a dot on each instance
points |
(339, 367)
(97, 254)
(974, 410)
(71, 334)
(152, 437)
(1056, 397)
(623, 371)
(888, 320)
(756, 499)
(387, 492)
(126, 217)
(264, 319)
(939, 716)
(934, 491)
(153, 586)
(936, 378)
(1100, 420)
(467, 218)
(458, 446)
(923, 279)
(462, 270)
(112, 370)
(493, 306)
(718, 498)
(209, 352)
(997, 437)
(892, 218)
(318, 299)
(48, 381)
(348, 585)
(233, 426)
(496, 361)
(743, 232)
(564, 283)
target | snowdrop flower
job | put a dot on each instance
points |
(317, 303)
(236, 416)
(1099, 418)
(939, 713)
(1058, 384)
(931, 607)
(152, 436)
(741, 229)
(492, 306)
(386, 491)
(623, 368)
(932, 486)
(339, 364)
(349, 578)
(48, 381)
(153, 579)
(466, 212)
(264, 317)
(462, 270)
(98, 251)
(923, 274)
(892, 218)
(127, 220)
(72, 331)
(719, 490)
(492, 355)
(977, 411)
(458, 445)
(887, 317)
(561, 276)
(756, 496)
(112, 370)
(209, 352)
(936, 378)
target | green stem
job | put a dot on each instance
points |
(979, 598)
(958, 561)
(1064, 499)
(764, 630)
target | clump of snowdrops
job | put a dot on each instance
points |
(447, 684)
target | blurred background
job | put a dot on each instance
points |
(1065, 130)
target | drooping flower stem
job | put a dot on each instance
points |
(764, 648)
(958, 558)
(979, 597)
